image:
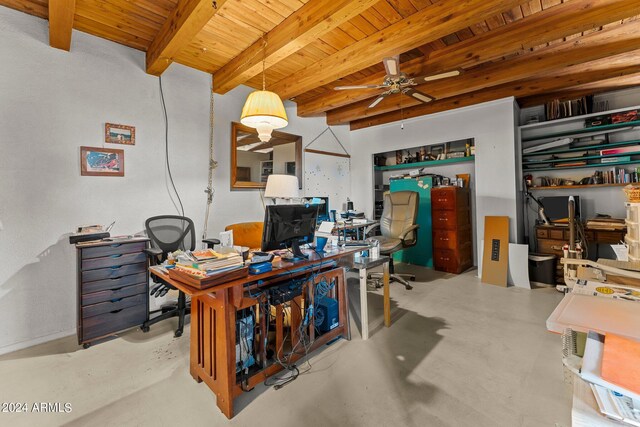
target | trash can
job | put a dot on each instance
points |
(542, 269)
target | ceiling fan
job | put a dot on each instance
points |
(397, 82)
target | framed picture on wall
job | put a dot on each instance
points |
(290, 168)
(119, 134)
(96, 161)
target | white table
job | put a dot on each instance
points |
(362, 264)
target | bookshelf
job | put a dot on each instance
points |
(581, 155)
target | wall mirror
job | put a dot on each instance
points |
(252, 161)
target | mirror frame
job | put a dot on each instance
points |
(251, 185)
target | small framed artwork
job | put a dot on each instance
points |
(290, 168)
(96, 161)
(119, 134)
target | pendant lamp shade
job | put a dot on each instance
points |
(265, 112)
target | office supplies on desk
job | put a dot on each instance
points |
(260, 257)
(260, 267)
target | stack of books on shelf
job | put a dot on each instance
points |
(557, 109)
(208, 262)
(606, 224)
(618, 175)
(619, 154)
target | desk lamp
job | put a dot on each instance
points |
(282, 187)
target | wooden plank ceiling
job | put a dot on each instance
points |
(534, 50)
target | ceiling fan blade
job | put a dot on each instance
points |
(392, 65)
(358, 87)
(420, 96)
(378, 99)
(432, 77)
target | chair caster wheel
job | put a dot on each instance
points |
(86, 345)
(412, 278)
(145, 329)
(178, 334)
(408, 287)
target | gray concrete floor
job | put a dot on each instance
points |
(459, 353)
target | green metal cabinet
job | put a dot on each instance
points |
(422, 252)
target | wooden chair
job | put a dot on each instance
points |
(247, 234)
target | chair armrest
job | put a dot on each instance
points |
(154, 255)
(153, 252)
(211, 242)
(403, 236)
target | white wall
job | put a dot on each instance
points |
(51, 103)
(492, 127)
(228, 108)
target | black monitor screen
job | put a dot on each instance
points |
(556, 208)
(288, 225)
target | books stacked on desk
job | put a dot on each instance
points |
(208, 262)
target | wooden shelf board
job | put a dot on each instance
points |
(592, 166)
(580, 131)
(585, 148)
(566, 187)
(431, 163)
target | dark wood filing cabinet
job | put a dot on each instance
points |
(452, 236)
(113, 288)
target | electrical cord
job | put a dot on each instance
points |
(166, 145)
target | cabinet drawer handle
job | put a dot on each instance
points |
(116, 300)
(117, 289)
(446, 239)
(115, 256)
(115, 267)
(115, 278)
(115, 245)
(556, 248)
(116, 311)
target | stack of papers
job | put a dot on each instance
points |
(209, 262)
(615, 378)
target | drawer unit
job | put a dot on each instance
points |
(453, 261)
(551, 239)
(113, 288)
(451, 239)
(442, 198)
(449, 220)
(452, 236)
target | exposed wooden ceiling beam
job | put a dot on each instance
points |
(550, 60)
(517, 89)
(432, 22)
(551, 24)
(618, 83)
(186, 20)
(61, 13)
(304, 26)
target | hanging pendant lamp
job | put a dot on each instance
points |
(263, 110)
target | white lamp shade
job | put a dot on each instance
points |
(264, 108)
(282, 187)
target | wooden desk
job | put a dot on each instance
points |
(550, 240)
(213, 321)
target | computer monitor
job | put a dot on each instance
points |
(323, 208)
(288, 226)
(556, 208)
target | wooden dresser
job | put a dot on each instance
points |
(113, 288)
(451, 219)
(550, 240)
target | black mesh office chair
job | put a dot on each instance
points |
(168, 233)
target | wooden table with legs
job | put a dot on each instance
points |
(213, 321)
